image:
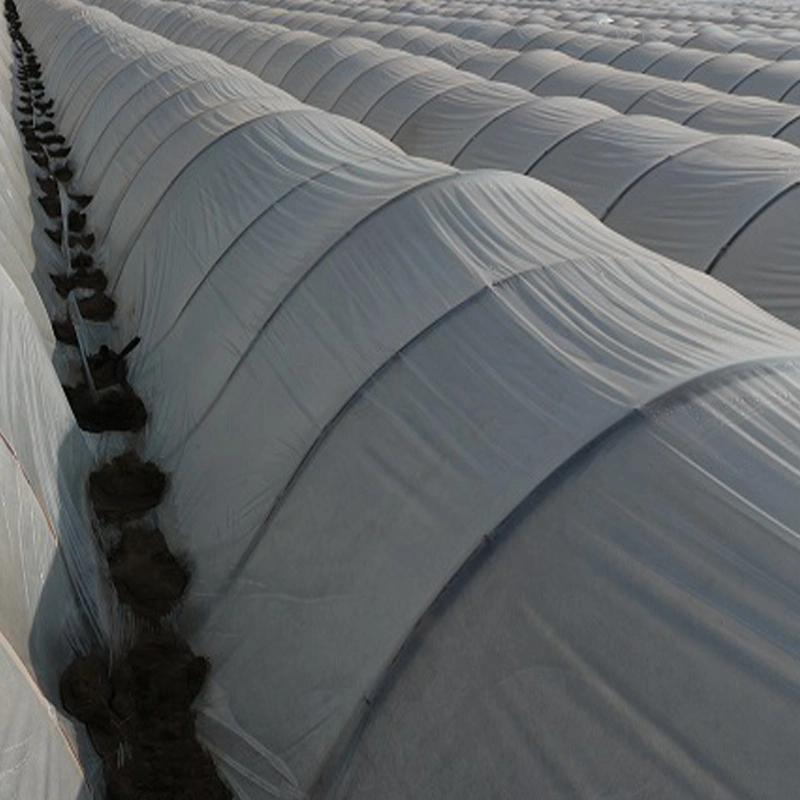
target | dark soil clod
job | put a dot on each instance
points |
(85, 689)
(51, 205)
(126, 488)
(98, 307)
(63, 174)
(81, 200)
(148, 578)
(89, 279)
(76, 221)
(83, 261)
(48, 185)
(167, 770)
(59, 152)
(64, 331)
(108, 368)
(153, 687)
(86, 240)
(159, 677)
(115, 409)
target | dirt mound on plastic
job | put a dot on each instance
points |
(85, 279)
(86, 690)
(109, 367)
(147, 577)
(98, 307)
(64, 331)
(115, 409)
(126, 488)
(141, 723)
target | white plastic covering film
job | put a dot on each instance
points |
(373, 378)
(17, 231)
(702, 199)
(770, 31)
(50, 607)
(546, 72)
(739, 73)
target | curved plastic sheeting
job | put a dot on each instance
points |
(552, 73)
(734, 72)
(376, 381)
(767, 32)
(457, 117)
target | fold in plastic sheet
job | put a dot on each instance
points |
(698, 185)
(609, 157)
(775, 81)
(627, 55)
(681, 101)
(772, 121)
(541, 126)
(393, 70)
(727, 41)
(488, 63)
(456, 52)
(362, 368)
(322, 58)
(726, 72)
(445, 124)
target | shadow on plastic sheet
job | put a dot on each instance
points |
(71, 614)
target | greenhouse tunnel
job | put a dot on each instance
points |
(739, 72)
(718, 203)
